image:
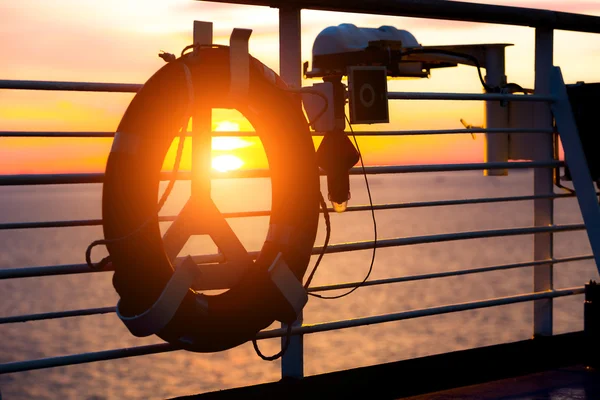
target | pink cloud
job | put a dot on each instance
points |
(572, 6)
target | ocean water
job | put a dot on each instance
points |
(183, 373)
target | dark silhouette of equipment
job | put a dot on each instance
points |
(368, 95)
(584, 99)
(591, 322)
(336, 153)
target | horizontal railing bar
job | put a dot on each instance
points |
(47, 270)
(244, 214)
(447, 274)
(419, 313)
(448, 237)
(467, 96)
(70, 269)
(50, 179)
(445, 10)
(57, 134)
(70, 86)
(50, 362)
(38, 134)
(105, 310)
(56, 314)
(133, 88)
(84, 358)
(30, 272)
(60, 179)
(421, 132)
(96, 222)
(50, 224)
(455, 202)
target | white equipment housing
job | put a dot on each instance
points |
(344, 42)
(339, 49)
(346, 38)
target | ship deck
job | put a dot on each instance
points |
(550, 368)
(569, 383)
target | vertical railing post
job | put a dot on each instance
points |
(290, 69)
(543, 184)
(201, 128)
(591, 323)
(496, 113)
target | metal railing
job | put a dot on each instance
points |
(292, 364)
(61, 179)
(82, 358)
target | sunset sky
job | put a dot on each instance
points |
(118, 41)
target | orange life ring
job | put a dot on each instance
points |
(143, 268)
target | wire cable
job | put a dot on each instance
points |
(286, 344)
(362, 164)
(327, 237)
(313, 92)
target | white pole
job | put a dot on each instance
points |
(543, 185)
(290, 69)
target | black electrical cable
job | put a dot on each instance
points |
(286, 344)
(362, 164)
(324, 248)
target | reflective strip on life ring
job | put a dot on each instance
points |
(155, 318)
(143, 272)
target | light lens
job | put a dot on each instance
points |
(339, 207)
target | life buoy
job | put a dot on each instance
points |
(143, 269)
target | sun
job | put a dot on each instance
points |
(226, 162)
(225, 126)
(228, 143)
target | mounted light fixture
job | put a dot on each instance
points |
(336, 155)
